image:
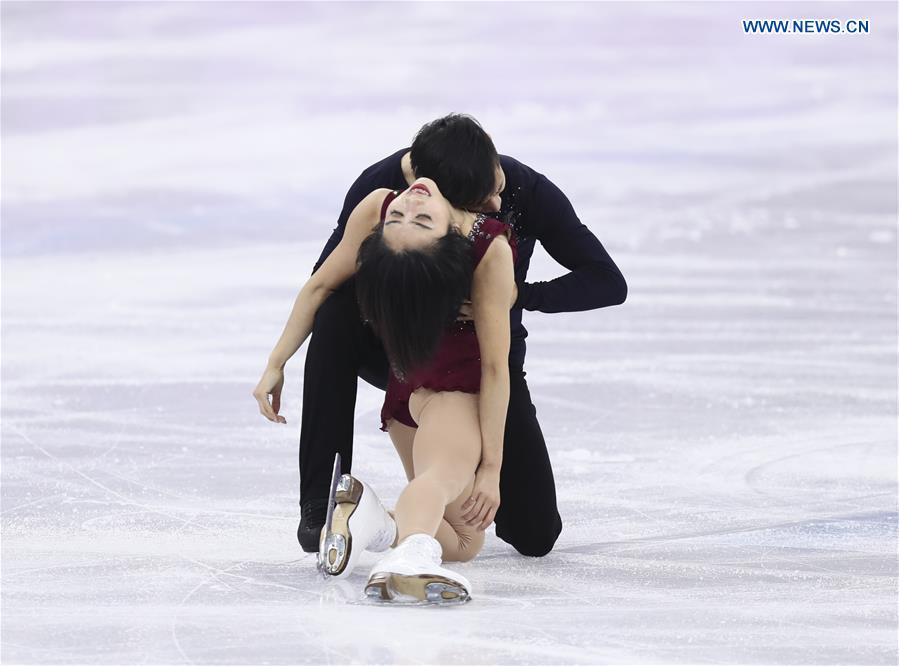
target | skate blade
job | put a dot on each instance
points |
(418, 589)
(337, 543)
(320, 556)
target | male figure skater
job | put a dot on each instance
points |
(460, 157)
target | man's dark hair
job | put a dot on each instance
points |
(456, 153)
(410, 296)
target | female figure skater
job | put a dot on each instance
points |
(416, 259)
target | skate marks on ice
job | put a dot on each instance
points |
(147, 515)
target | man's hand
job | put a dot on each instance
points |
(465, 312)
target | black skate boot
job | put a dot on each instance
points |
(312, 519)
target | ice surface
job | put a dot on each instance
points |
(724, 443)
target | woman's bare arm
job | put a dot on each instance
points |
(337, 268)
(492, 288)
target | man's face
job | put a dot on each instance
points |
(494, 202)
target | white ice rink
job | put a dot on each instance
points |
(724, 443)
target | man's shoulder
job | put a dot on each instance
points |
(383, 173)
(529, 197)
(516, 169)
(525, 178)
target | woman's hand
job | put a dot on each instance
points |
(271, 383)
(480, 509)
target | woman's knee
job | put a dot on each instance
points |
(469, 544)
(470, 539)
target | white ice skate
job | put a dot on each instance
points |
(358, 522)
(411, 572)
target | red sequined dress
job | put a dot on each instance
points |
(456, 365)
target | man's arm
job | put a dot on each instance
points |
(594, 280)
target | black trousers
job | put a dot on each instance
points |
(343, 348)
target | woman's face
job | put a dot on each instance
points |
(417, 217)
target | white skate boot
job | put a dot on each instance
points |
(411, 572)
(359, 522)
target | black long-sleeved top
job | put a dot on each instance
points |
(537, 210)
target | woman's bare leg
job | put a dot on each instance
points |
(460, 542)
(403, 437)
(440, 458)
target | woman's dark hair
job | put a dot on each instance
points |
(410, 296)
(456, 153)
